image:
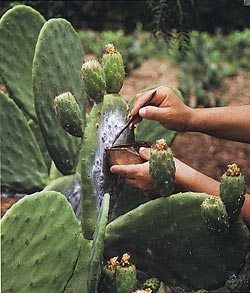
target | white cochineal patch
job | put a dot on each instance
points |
(112, 122)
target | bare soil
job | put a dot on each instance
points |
(207, 154)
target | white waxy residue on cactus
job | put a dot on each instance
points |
(109, 126)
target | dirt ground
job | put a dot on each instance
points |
(207, 154)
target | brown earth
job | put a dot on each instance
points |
(207, 154)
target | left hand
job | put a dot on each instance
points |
(137, 175)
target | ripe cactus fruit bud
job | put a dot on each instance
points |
(113, 67)
(232, 190)
(125, 275)
(152, 283)
(162, 168)
(215, 215)
(94, 78)
(69, 113)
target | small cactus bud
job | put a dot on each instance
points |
(94, 78)
(162, 168)
(232, 190)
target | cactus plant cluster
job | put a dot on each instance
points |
(189, 241)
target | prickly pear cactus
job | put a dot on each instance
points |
(181, 251)
(215, 215)
(113, 67)
(94, 78)
(118, 276)
(19, 30)
(232, 190)
(103, 123)
(22, 166)
(57, 69)
(162, 168)
(40, 244)
(152, 283)
(69, 114)
(125, 276)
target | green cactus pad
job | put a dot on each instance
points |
(168, 239)
(19, 30)
(215, 215)
(94, 268)
(103, 123)
(94, 78)
(40, 244)
(69, 114)
(78, 282)
(57, 69)
(232, 190)
(22, 166)
(162, 168)
(113, 67)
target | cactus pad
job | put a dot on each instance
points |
(22, 167)
(57, 69)
(19, 30)
(103, 123)
(181, 251)
(40, 244)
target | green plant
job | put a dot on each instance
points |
(42, 231)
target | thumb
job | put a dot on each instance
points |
(152, 112)
(145, 153)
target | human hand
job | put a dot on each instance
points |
(137, 175)
(165, 107)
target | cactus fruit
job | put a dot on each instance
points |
(23, 169)
(215, 215)
(57, 69)
(19, 30)
(113, 67)
(152, 283)
(162, 168)
(119, 276)
(181, 251)
(94, 78)
(125, 275)
(232, 190)
(40, 244)
(69, 113)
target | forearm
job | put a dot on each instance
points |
(231, 123)
(189, 179)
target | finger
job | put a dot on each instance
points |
(130, 181)
(153, 113)
(123, 170)
(140, 100)
(144, 153)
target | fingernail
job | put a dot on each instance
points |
(142, 112)
(142, 149)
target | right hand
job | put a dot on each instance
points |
(165, 107)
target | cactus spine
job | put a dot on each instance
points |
(232, 190)
(162, 168)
